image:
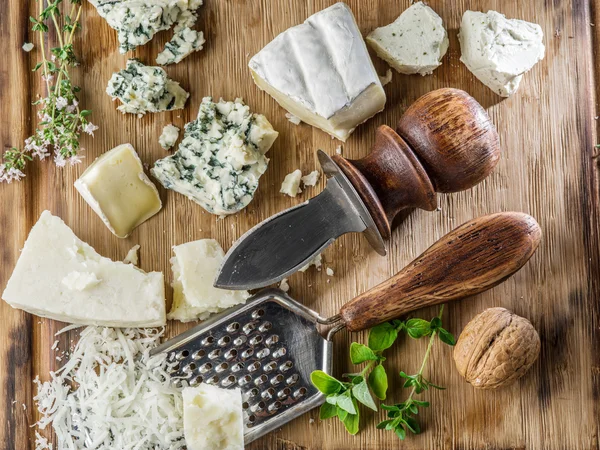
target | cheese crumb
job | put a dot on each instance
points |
(387, 78)
(132, 255)
(294, 119)
(28, 46)
(284, 286)
(311, 179)
(291, 183)
(329, 271)
(338, 149)
(169, 136)
(317, 261)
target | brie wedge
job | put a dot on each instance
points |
(118, 190)
(497, 50)
(195, 266)
(61, 277)
(415, 42)
(321, 72)
(291, 183)
(213, 418)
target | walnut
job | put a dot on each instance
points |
(496, 348)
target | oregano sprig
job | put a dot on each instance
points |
(342, 397)
(61, 119)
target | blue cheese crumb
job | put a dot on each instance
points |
(169, 136)
(183, 43)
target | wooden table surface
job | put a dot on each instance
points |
(548, 169)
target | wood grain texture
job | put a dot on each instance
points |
(548, 169)
(471, 259)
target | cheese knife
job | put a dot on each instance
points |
(444, 142)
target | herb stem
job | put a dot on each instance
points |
(42, 46)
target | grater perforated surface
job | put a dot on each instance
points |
(267, 348)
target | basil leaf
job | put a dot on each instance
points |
(418, 328)
(327, 410)
(360, 353)
(362, 394)
(382, 336)
(325, 383)
(378, 381)
(446, 337)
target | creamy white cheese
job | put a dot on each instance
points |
(169, 136)
(497, 50)
(143, 89)
(183, 43)
(137, 21)
(212, 418)
(118, 190)
(61, 277)
(291, 183)
(321, 72)
(311, 179)
(414, 43)
(132, 256)
(221, 157)
(195, 266)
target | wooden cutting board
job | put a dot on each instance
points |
(548, 169)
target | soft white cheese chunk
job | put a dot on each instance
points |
(415, 42)
(291, 183)
(321, 72)
(195, 266)
(499, 50)
(61, 277)
(169, 136)
(118, 190)
(311, 179)
(132, 256)
(213, 418)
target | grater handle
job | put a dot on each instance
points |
(470, 259)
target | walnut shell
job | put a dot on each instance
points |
(496, 348)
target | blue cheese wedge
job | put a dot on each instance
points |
(136, 21)
(195, 267)
(61, 277)
(291, 183)
(143, 89)
(169, 136)
(118, 190)
(497, 50)
(221, 157)
(213, 418)
(414, 43)
(321, 72)
(183, 43)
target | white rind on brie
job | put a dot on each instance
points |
(414, 43)
(61, 277)
(321, 72)
(497, 50)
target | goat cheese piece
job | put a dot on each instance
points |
(132, 256)
(321, 72)
(497, 50)
(138, 21)
(61, 277)
(169, 136)
(291, 183)
(183, 43)
(415, 42)
(213, 418)
(195, 266)
(221, 157)
(118, 190)
(143, 89)
(311, 179)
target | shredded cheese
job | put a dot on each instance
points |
(111, 394)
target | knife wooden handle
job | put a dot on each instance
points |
(470, 259)
(445, 142)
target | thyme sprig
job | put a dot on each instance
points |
(61, 119)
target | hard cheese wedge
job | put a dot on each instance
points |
(195, 266)
(61, 277)
(118, 190)
(212, 418)
(321, 72)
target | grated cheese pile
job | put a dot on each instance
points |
(112, 395)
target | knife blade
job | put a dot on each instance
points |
(288, 241)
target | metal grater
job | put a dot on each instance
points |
(267, 348)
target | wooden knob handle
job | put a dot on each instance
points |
(470, 259)
(446, 142)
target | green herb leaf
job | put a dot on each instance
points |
(446, 337)
(378, 381)
(382, 336)
(352, 420)
(345, 401)
(360, 353)
(400, 432)
(418, 328)
(327, 411)
(325, 383)
(435, 323)
(341, 413)
(362, 394)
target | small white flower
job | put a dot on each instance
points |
(90, 128)
(41, 152)
(61, 102)
(73, 106)
(53, 57)
(75, 159)
(59, 160)
(48, 78)
(46, 118)
(10, 175)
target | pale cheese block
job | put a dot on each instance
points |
(118, 190)
(497, 50)
(414, 43)
(195, 267)
(61, 277)
(213, 418)
(321, 72)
